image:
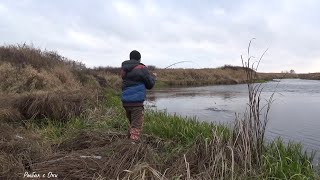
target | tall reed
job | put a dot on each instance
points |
(249, 129)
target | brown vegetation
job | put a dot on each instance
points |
(88, 155)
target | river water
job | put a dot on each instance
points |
(294, 115)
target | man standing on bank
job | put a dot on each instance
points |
(135, 80)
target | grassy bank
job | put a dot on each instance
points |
(227, 74)
(215, 76)
(310, 76)
(172, 146)
(58, 116)
(197, 77)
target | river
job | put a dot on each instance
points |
(294, 115)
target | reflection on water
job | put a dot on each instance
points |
(295, 114)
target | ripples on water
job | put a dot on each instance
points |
(295, 114)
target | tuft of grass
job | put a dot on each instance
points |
(59, 105)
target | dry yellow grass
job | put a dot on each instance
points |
(29, 79)
(24, 68)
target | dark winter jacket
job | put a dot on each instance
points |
(136, 79)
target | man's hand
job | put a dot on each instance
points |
(155, 75)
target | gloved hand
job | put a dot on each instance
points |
(154, 76)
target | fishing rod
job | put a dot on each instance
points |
(180, 63)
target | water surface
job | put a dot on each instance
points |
(294, 115)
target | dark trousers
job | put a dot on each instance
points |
(135, 116)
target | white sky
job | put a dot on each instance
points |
(210, 33)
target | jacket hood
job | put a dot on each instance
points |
(129, 65)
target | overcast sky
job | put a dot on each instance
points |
(209, 33)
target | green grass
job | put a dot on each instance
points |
(287, 161)
(56, 131)
(177, 128)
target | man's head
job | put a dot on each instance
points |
(135, 55)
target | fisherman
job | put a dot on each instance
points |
(135, 80)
